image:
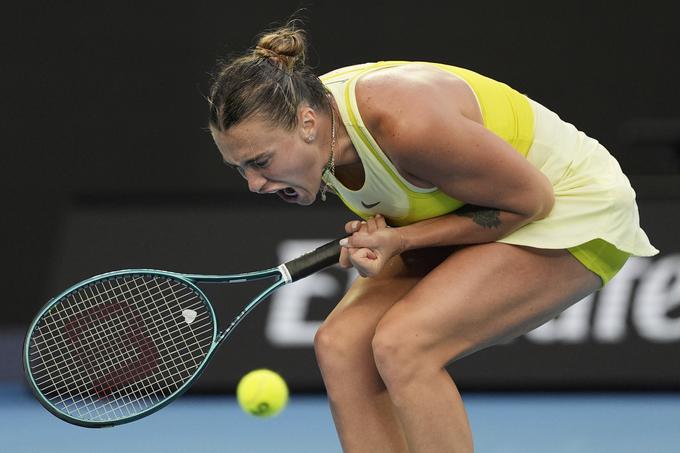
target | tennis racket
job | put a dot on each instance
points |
(119, 346)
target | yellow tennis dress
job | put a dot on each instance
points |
(594, 216)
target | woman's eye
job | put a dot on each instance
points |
(264, 163)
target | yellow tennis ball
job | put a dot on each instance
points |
(262, 393)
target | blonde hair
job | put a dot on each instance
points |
(271, 80)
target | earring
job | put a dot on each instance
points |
(309, 139)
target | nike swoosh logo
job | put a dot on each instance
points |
(370, 205)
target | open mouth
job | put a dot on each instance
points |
(288, 194)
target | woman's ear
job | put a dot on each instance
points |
(307, 120)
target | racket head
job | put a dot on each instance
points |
(119, 346)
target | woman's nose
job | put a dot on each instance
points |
(256, 181)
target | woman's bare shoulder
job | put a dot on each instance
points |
(405, 99)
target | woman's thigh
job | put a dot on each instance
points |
(485, 294)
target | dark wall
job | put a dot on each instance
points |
(107, 97)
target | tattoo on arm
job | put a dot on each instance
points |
(485, 217)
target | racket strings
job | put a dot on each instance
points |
(116, 347)
(100, 326)
(101, 368)
(137, 369)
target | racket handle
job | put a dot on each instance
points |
(314, 261)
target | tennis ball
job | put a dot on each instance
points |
(262, 393)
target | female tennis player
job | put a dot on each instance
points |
(485, 215)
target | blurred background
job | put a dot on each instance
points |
(107, 164)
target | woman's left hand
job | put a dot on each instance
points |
(372, 246)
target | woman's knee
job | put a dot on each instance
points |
(339, 342)
(325, 344)
(398, 352)
(403, 350)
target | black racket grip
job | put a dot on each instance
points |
(314, 261)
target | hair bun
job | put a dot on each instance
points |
(285, 47)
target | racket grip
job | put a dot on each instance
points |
(314, 261)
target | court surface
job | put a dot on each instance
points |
(502, 423)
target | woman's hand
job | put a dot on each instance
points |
(371, 245)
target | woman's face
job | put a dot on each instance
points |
(276, 160)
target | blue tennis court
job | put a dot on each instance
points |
(502, 423)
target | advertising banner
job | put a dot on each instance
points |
(626, 336)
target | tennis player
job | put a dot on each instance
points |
(484, 215)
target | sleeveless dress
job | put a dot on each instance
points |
(595, 215)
